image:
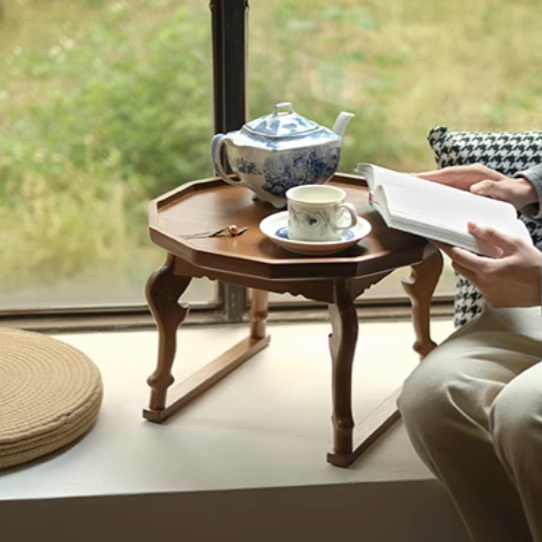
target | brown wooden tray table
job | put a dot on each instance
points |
(254, 261)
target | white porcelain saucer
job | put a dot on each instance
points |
(275, 227)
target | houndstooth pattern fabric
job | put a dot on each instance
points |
(506, 152)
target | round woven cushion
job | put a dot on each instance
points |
(50, 394)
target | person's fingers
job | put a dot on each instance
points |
(447, 249)
(492, 189)
(442, 176)
(431, 173)
(465, 272)
(494, 237)
(466, 259)
(463, 257)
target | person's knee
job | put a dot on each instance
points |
(425, 398)
(516, 426)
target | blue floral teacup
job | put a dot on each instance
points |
(318, 213)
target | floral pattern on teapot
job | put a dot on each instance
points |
(299, 168)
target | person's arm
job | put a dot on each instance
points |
(534, 176)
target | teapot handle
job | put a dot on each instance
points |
(216, 156)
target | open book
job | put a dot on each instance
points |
(437, 211)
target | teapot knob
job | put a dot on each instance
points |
(283, 104)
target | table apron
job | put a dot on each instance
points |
(314, 289)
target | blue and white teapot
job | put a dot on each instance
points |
(276, 152)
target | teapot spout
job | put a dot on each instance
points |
(342, 122)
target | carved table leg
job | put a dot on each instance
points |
(163, 291)
(258, 313)
(349, 444)
(420, 286)
(342, 343)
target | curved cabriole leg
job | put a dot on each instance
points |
(342, 343)
(163, 291)
(420, 286)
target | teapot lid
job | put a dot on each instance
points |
(282, 124)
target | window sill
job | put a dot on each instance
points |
(141, 318)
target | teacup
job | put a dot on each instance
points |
(318, 213)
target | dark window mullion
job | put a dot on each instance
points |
(229, 31)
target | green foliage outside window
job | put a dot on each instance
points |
(106, 104)
(97, 117)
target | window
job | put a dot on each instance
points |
(105, 104)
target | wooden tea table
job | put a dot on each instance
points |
(254, 261)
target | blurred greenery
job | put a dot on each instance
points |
(106, 104)
(96, 121)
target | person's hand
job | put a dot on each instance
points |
(485, 181)
(510, 279)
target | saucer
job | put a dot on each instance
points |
(275, 227)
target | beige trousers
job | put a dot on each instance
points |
(473, 411)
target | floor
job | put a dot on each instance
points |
(266, 425)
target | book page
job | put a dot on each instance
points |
(437, 209)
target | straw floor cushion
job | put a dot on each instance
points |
(50, 394)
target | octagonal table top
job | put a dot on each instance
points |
(210, 204)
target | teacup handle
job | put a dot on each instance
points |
(216, 156)
(348, 209)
